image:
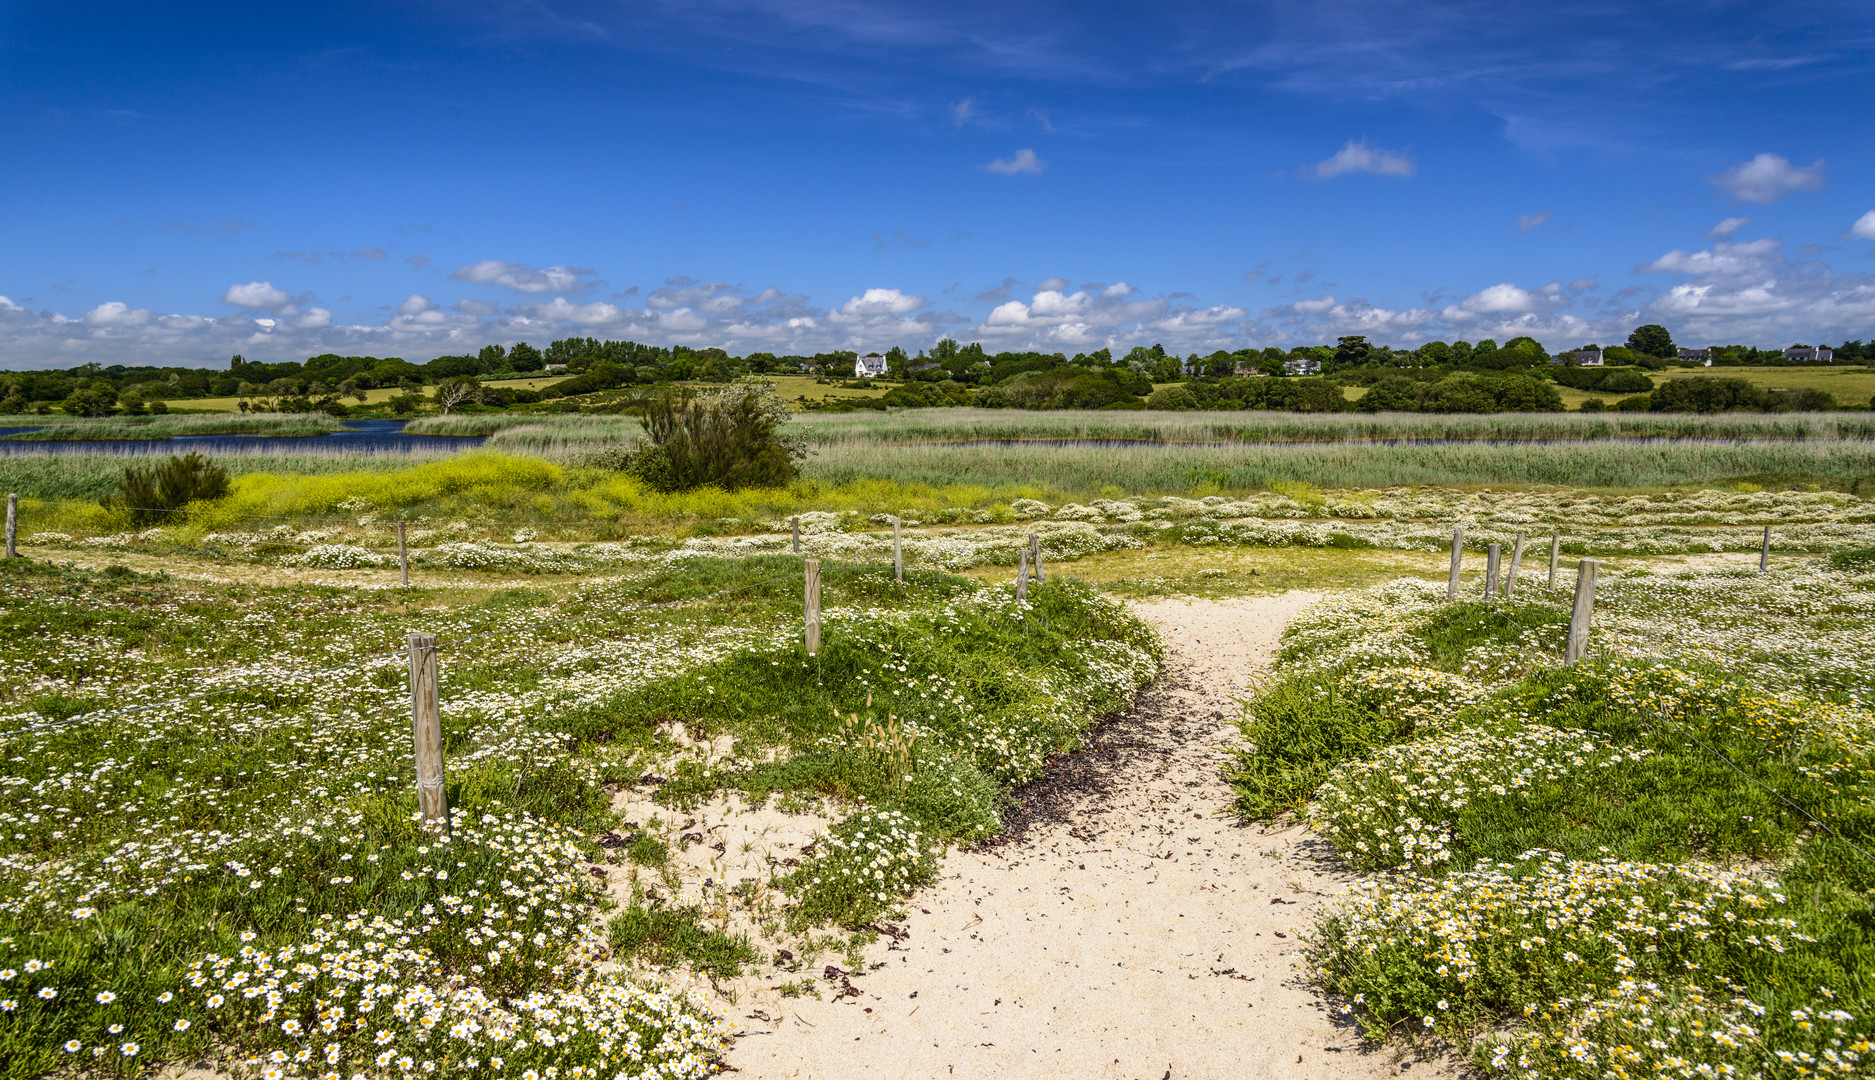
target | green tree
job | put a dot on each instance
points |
(493, 358)
(1652, 340)
(525, 357)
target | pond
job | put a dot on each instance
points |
(358, 437)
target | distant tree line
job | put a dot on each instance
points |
(1438, 376)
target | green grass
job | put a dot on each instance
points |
(670, 937)
(1557, 845)
(137, 848)
(1851, 385)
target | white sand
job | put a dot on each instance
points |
(1098, 946)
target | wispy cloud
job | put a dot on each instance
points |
(1360, 157)
(518, 277)
(1527, 223)
(1022, 161)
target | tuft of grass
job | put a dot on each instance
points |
(668, 936)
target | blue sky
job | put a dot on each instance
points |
(181, 182)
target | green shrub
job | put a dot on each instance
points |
(154, 493)
(728, 438)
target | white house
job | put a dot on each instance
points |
(1580, 358)
(1302, 365)
(870, 366)
(1810, 354)
(1698, 356)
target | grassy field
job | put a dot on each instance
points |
(1850, 385)
(189, 809)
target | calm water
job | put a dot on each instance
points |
(363, 437)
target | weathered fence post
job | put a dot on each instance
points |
(811, 603)
(13, 523)
(898, 555)
(1516, 560)
(1022, 574)
(1764, 555)
(1493, 554)
(403, 555)
(1035, 556)
(1555, 551)
(1458, 555)
(427, 730)
(794, 527)
(1584, 611)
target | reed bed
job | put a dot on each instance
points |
(283, 425)
(551, 433)
(1095, 469)
(87, 476)
(965, 425)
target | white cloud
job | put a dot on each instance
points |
(877, 302)
(255, 294)
(477, 307)
(1053, 281)
(414, 304)
(315, 319)
(1528, 222)
(115, 313)
(1023, 161)
(518, 277)
(716, 297)
(1507, 300)
(1768, 178)
(1315, 306)
(963, 110)
(1118, 289)
(1724, 229)
(594, 314)
(1863, 229)
(1720, 260)
(1359, 157)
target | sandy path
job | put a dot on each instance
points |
(1144, 936)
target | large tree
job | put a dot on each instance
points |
(1653, 340)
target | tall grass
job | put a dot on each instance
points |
(1077, 470)
(535, 433)
(959, 425)
(85, 477)
(167, 427)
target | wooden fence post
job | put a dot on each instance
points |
(403, 554)
(794, 527)
(811, 604)
(1493, 554)
(13, 523)
(898, 555)
(1584, 611)
(1458, 555)
(427, 730)
(1516, 560)
(1022, 574)
(1555, 551)
(1035, 556)
(1764, 554)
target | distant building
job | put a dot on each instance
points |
(870, 366)
(1302, 365)
(928, 365)
(1580, 358)
(1810, 354)
(1698, 356)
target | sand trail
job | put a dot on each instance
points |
(1140, 934)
